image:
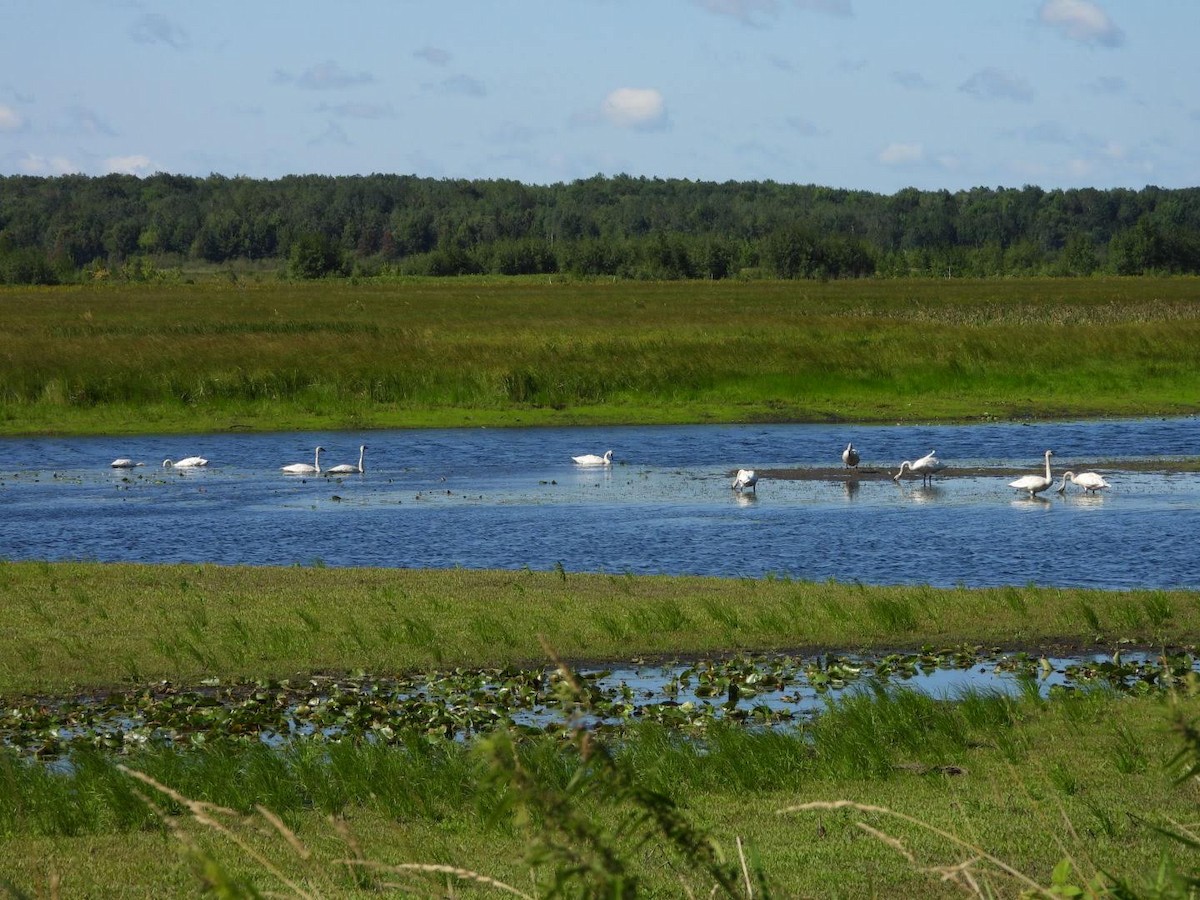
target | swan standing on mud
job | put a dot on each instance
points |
(591, 459)
(1035, 484)
(305, 468)
(926, 467)
(1089, 481)
(346, 468)
(850, 456)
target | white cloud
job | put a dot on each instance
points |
(1083, 21)
(840, 8)
(748, 11)
(460, 85)
(901, 154)
(359, 110)
(1116, 151)
(10, 119)
(153, 28)
(35, 164)
(640, 108)
(802, 126)
(128, 165)
(326, 76)
(992, 84)
(913, 81)
(742, 10)
(435, 56)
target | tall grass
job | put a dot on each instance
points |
(84, 625)
(928, 778)
(277, 354)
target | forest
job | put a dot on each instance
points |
(74, 228)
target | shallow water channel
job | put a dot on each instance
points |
(500, 498)
(777, 691)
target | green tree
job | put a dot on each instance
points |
(315, 256)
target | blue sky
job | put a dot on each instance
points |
(875, 95)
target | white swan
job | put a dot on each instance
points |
(927, 466)
(305, 468)
(346, 468)
(188, 462)
(1035, 484)
(1089, 481)
(591, 459)
(745, 478)
(850, 456)
(124, 463)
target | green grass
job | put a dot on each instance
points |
(1032, 783)
(84, 625)
(1084, 777)
(106, 359)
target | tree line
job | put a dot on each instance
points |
(74, 227)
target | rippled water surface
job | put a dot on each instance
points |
(492, 498)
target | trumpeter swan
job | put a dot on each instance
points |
(745, 478)
(188, 462)
(1089, 481)
(124, 463)
(1035, 484)
(927, 466)
(850, 456)
(346, 468)
(305, 468)
(591, 459)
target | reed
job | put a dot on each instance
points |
(105, 359)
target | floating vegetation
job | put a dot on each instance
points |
(762, 690)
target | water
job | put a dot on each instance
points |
(497, 498)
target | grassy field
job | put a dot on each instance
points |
(1085, 777)
(275, 356)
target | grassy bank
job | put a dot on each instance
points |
(1086, 777)
(83, 625)
(107, 359)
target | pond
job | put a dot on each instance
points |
(511, 498)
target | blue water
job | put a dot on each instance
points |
(498, 498)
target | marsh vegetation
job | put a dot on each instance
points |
(433, 774)
(106, 359)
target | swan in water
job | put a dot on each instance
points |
(1035, 484)
(124, 463)
(1089, 481)
(188, 462)
(591, 459)
(746, 478)
(305, 468)
(927, 466)
(346, 468)
(850, 456)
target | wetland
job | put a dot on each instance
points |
(384, 648)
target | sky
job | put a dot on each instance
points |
(874, 95)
